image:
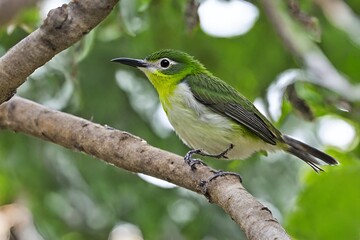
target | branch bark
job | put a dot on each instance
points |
(129, 152)
(63, 27)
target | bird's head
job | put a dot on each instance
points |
(165, 68)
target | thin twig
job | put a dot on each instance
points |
(319, 68)
(63, 27)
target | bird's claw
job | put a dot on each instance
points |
(203, 184)
(192, 162)
(220, 173)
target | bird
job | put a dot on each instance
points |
(211, 117)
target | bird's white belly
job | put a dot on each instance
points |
(201, 128)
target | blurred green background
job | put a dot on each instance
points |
(73, 196)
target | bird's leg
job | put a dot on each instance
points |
(218, 173)
(220, 155)
(192, 162)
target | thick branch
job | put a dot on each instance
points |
(134, 154)
(63, 27)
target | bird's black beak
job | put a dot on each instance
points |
(131, 62)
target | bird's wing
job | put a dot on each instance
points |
(225, 100)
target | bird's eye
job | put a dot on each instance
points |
(165, 63)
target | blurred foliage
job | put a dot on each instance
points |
(73, 196)
(336, 211)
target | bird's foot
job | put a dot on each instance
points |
(191, 161)
(219, 173)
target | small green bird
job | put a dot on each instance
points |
(210, 116)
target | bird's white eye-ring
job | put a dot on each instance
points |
(165, 63)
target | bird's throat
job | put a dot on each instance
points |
(165, 85)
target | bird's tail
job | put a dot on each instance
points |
(308, 154)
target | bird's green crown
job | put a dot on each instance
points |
(178, 62)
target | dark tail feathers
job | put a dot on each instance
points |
(308, 154)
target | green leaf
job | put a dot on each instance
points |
(328, 207)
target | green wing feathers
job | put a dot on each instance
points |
(225, 100)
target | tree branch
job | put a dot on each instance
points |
(134, 154)
(63, 27)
